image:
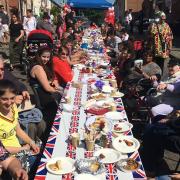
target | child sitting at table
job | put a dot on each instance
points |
(10, 129)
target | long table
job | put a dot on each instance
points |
(66, 123)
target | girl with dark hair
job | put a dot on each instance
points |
(16, 40)
(62, 67)
(10, 130)
(43, 77)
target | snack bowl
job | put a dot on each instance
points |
(90, 166)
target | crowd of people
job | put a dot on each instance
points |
(149, 60)
(51, 70)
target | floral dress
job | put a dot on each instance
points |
(162, 49)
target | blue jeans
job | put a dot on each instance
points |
(164, 177)
(32, 160)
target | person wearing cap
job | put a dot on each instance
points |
(168, 91)
(162, 37)
(45, 24)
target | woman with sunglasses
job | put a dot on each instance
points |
(62, 68)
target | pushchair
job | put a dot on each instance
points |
(138, 110)
(36, 39)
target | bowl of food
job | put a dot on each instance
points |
(128, 165)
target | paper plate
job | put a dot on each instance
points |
(26, 106)
(120, 145)
(104, 64)
(110, 155)
(99, 96)
(117, 94)
(123, 127)
(102, 102)
(89, 103)
(67, 165)
(91, 120)
(85, 177)
(79, 66)
(114, 115)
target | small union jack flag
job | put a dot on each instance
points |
(76, 112)
(75, 117)
(140, 173)
(71, 154)
(73, 130)
(74, 124)
(69, 176)
(111, 172)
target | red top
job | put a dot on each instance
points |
(62, 70)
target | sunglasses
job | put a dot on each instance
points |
(63, 53)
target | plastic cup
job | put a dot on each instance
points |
(75, 139)
(90, 145)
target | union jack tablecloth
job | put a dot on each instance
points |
(66, 123)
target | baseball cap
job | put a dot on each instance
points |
(174, 62)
